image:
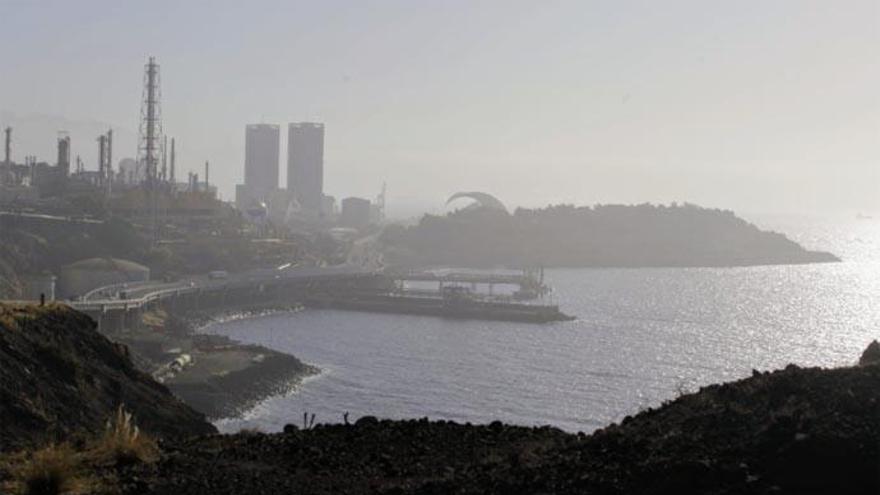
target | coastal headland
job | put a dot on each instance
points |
(643, 235)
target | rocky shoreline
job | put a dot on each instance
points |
(797, 430)
(219, 377)
(230, 394)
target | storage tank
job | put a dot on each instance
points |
(355, 213)
(83, 276)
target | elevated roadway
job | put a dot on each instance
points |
(138, 295)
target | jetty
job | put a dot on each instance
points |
(529, 282)
(455, 302)
(342, 287)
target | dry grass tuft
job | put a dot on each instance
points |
(123, 443)
(59, 469)
(8, 321)
(15, 316)
(49, 471)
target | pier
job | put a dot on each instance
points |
(342, 287)
(529, 282)
(460, 308)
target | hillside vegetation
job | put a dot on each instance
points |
(60, 378)
(600, 236)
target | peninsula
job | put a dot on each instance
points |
(486, 235)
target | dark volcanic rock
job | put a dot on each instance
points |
(805, 431)
(232, 393)
(59, 376)
(871, 354)
(797, 430)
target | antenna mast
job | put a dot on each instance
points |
(150, 137)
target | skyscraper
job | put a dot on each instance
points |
(305, 164)
(261, 149)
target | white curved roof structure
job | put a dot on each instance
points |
(106, 264)
(484, 200)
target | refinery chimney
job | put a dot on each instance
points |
(102, 157)
(8, 160)
(110, 154)
(164, 174)
(172, 161)
(64, 153)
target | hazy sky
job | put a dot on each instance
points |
(758, 106)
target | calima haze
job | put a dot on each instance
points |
(439, 247)
(567, 102)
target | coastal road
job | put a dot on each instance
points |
(136, 294)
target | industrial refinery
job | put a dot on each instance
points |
(149, 189)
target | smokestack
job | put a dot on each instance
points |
(164, 158)
(64, 153)
(109, 169)
(206, 176)
(102, 156)
(172, 161)
(8, 160)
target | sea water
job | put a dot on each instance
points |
(642, 336)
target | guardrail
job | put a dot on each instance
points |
(115, 288)
(126, 304)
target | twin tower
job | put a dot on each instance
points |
(305, 164)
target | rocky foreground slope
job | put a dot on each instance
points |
(790, 431)
(797, 430)
(60, 378)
